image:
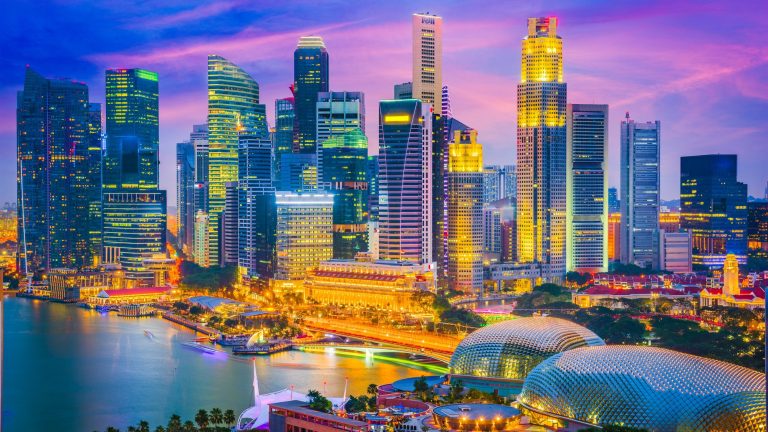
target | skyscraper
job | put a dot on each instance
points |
(640, 144)
(58, 174)
(465, 213)
(493, 187)
(233, 98)
(613, 200)
(403, 90)
(345, 159)
(256, 209)
(757, 225)
(95, 163)
(446, 97)
(541, 150)
(199, 140)
(405, 181)
(509, 180)
(337, 113)
(304, 233)
(427, 31)
(185, 196)
(229, 226)
(310, 77)
(713, 205)
(133, 137)
(373, 187)
(285, 125)
(587, 181)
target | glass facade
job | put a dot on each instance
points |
(640, 146)
(713, 205)
(133, 139)
(541, 150)
(587, 206)
(233, 108)
(185, 194)
(304, 233)
(345, 159)
(337, 113)
(58, 174)
(285, 124)
(511, 349)
(405, 181)
(134, 230)
(644, 387)
(310, 77)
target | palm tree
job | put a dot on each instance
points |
(174, 424)
(216, 416)
(112, 429)
(189, 426)
(201, 418)
(372, 389)
(143, 426)
(132, 429)
(229, 417)
(160, 429)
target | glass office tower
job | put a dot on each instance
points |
(640, 151)
(713, 205)
(337, 113)
(405, 181)
(233, 99)
(345, 158)
(310, 77)
(185, 194)
(58, 174)
(541, 150)
(587, 214)
(285, 123)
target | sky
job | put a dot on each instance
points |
(699, 67)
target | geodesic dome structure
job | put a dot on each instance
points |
(646, 387)
(511, 349)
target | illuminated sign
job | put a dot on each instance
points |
(397, 118)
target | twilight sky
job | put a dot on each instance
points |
(700, 67)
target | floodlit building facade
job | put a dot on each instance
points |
(428, 59)
(675, 251)
(465, 213)
(587, 180)
(304, 235)
(640, 153)
(541, 150)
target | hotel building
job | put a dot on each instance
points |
(304, 235)
(428, 60)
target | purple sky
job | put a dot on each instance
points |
(699, 67)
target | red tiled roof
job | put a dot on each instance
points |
(352, 275)
(137, 291)
(603, 290)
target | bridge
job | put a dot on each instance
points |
(370, 350)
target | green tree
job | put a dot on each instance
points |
(202, 419)
(180, 305)
(229, 417)
(372, 389)
(195, 310)
(189, 426)
(174, 424)
(319, 402)
(112, 429)
(160, 429)
(143, 426)
(216, 416)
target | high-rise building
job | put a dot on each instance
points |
(233, 99)
(491, 233)
(541, 150)
(614, 236)
(405, 181)
(202, 248)
(304, 233)
(509, 180)
(427, 31)
(345, 160)
(446, 110)
(587, 181)
(298, 172)
(310, 77)
(229, 226)
(404, 91)
(185, 196)
(757, 225)
(337, 113)
(58, 175)
(256, 210)
(509, 241)
(133, 137)
(199, 140)
(613, 200)
(134, 230)
(640, 144)
(465, 213)
(493, 185)
(713, 205)
(675, 251)
(373, 188)
(669, 221)
(285, 126)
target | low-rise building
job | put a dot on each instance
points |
(114, 297)
(69, 284)
(732, 293)
(296, 416)
(675, 251)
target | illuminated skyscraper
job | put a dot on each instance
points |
(465, 213)
(233, 98)
(95, 158)
(304, 233)
(713, 205)
(614, 236)
(404, 90)
(405, 181)
(310, 77)
(285, 125)
(427, 32)
(229, 226)
(345, 160)
(337, 113)
(640, 143)
(133, 137)
(199, 140)
(757, 225)
(587, 214)
(541, 150)
(58, 174)
(185, 196)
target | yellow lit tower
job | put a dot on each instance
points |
(465, 213)
(541, 150)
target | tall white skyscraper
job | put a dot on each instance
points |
(428, 59)
(587, 197)
(640, 144)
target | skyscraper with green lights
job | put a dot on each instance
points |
(233, 108)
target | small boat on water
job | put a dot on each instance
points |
(204, 348)
(149, 334)
(262, 348)
(232, 340)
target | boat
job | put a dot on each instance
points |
(204, 348)
(149, 334)
(262, 348)
(232, 340)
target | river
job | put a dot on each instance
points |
(70, 369)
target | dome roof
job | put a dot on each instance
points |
(646, 387)
(510, 349)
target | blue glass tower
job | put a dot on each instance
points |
(310, 76)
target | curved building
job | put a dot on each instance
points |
(497, 358)
(643, 387)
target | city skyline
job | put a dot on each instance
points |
(704, 102)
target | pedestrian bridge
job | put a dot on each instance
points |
(370, 350)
